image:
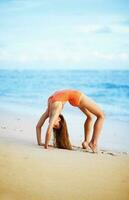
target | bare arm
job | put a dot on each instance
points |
(53, 117)
(39, 126)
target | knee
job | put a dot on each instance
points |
(101, 115)
(38, 126)
(90, 117)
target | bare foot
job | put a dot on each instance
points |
(85, 145)
(93, 147)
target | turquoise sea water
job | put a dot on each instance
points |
(31, 88)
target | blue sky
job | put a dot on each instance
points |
(64, 34)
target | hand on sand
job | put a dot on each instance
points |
(46, 147)
(41, 144)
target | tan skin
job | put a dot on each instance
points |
(88, 107)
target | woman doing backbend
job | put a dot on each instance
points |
(57, 123)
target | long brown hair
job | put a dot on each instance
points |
(61, 136)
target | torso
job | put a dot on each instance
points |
(72, 96)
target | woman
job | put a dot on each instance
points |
(56, 122)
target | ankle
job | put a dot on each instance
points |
(85, 141)
(94, 143)
(85, 144)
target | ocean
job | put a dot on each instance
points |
(31, 88)
(27, 92)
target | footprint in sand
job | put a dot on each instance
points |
(109, 153)
(3, 127)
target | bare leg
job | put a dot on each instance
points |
(87, 128)
(87, 103)
(97, 128)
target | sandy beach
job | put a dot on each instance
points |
(30, 172)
